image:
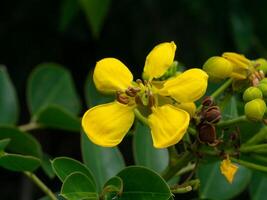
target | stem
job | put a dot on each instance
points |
(258, 137)
(186, 169)
(140, 117)
(181, 190)
(260, 148)
(234, 121)
(221, 89)
(41, 185)
(180, 163)
(250, 165)
(30, 126)
(191, 130)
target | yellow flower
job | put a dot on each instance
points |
(107, 124)
(228, 169)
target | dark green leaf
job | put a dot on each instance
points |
(258, 186)
(143, 184)
(229, 107)
(4, 143)
(64, 166)
(8, 99)
(113, 187)
(21, 142)
(78, 186)
(144, 152)
(95, 11)
(103, 162)
(215, 186)
(69, 9)
(57, 117)
(15, 162)
(51, 84)
(47, 166)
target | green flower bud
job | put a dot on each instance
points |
(263, 88)
(218, 68)
(255, 109)
(252, 93)
(262, 65)
(263, 80)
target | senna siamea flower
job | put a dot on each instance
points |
(228, 169)
(166, 106)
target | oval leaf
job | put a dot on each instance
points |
(21, 142)
(258, 186)
(51, 84)
(103, 162)
(4, 143)
(19, 163)
(144, 152)
(8, 99)
(214, 185)
(64, 166)
(56, 117)
(143, 184)
(113, 187)
(78, 186)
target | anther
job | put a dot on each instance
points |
(151, 99)
(122, 99)
(139, 81)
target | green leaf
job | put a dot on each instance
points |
(51, 84)
(229, 107)
(92, 96)
(143, 184)
(215, 186)
(258, 186)
(47, 166)
(64, 166)
(15, 162)
(8, 99)
(103, 162)
(95, 11)
(57, 117)
(113, 187)
(144, 152)
(69, 9)
(4, 143)
(21, 142)
(78, 186)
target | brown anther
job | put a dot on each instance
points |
(207, 101)
(212, 114)
(139, 81)
(130, 92)
(145, 82)
(206, 133)
(151, 99)
(122, 99)
(255, 81)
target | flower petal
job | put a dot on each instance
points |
(111, 75)
(189, 107)
(168, 125)
(107, 124)
(159, 60)
(186, 87)
(228, 169)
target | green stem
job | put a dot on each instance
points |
(250, 165)
(30, 126)
(140, 117)
(177, 166)
(41, 185)
(232, 121)
(260, 148)
(258, 137)
(186, 169)
(181, 190)
(221, 89)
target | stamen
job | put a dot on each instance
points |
(122, 99)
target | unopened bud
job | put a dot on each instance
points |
(213, 115)
(255, 109)
(218, 68)
(207, 101)
(252, 93)
(262, 65)
(206, 133)
(263, 88)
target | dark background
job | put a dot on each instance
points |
(31, 33)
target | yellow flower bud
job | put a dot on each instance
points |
(252, 93)
(262, 65)
(263, 88)
(255, 109)
(218, 68)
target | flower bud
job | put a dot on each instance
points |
(252, 93)
(263, 88)
(255, 109)
(218, 68)
(263, 81)
(262, 65)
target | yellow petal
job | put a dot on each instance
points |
(228, 169)
(159, 60)
(186, 87)
(111, 75)
(107, 124)
(189, 107)
(168, 125)
(237, 59)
